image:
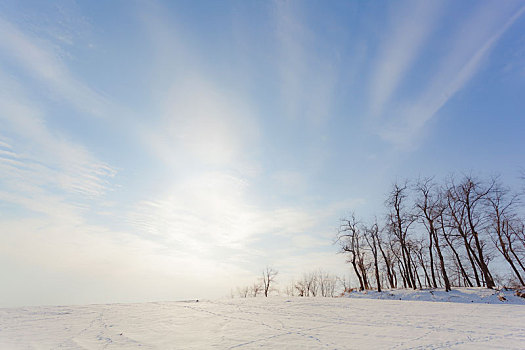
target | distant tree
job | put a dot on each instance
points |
(268, 279)
(343, 283)
(300, 287)
(289, 290)
(327, 283)
(255, 289)
(243, 292)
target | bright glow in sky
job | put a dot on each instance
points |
(153, 151)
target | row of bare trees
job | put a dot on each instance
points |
(312, 284)
(458, 233)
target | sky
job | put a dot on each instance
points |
(172, 150)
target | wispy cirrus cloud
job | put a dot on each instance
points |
(403, 42)
(212, 218)
(467, 48)
(48, 185)
(35, 155)
(213, 211)
(308, 72)
(208, 136)
(197, 120)
(37, 59)
(43, 172)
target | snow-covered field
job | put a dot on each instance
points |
(271, 323)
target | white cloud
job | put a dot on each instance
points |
(39, 157)
(42, 162)
(401, 46)
(212, 217)
(293, 266)
(307, 241)
(196, 119)
(37, 58)
(471, 44)
(201, 123)
(290, 181)
(48, 183)
(70, 262)
(308, 74)
(214, 211)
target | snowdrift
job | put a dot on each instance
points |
(456, 295)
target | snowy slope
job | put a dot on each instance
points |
(272, 323)
(456, 295)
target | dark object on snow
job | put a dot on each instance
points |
(197, 300)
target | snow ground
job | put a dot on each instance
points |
(272, 323)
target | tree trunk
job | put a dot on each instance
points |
(468, 248)
(388, 267)
(484, 267)
(377, 273)
(356, 270)
(434, 284)
(458, 260)
(517, 259)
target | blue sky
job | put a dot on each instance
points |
(153, 151)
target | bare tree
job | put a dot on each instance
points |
(519, 232)
(503, 221)
(372, 239)
(289, 290)
(300, 286)
(430, 205)
(399, 222)
(466, 203)
(415, 247)
(256, 289)
(457, 223)
(268, 279)
(449, 238)
(243, 292)
(443, 236)
(516, 231)
(348, 238)
(327, 283)
(344, 284)
(312, 283)
(388, 260)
